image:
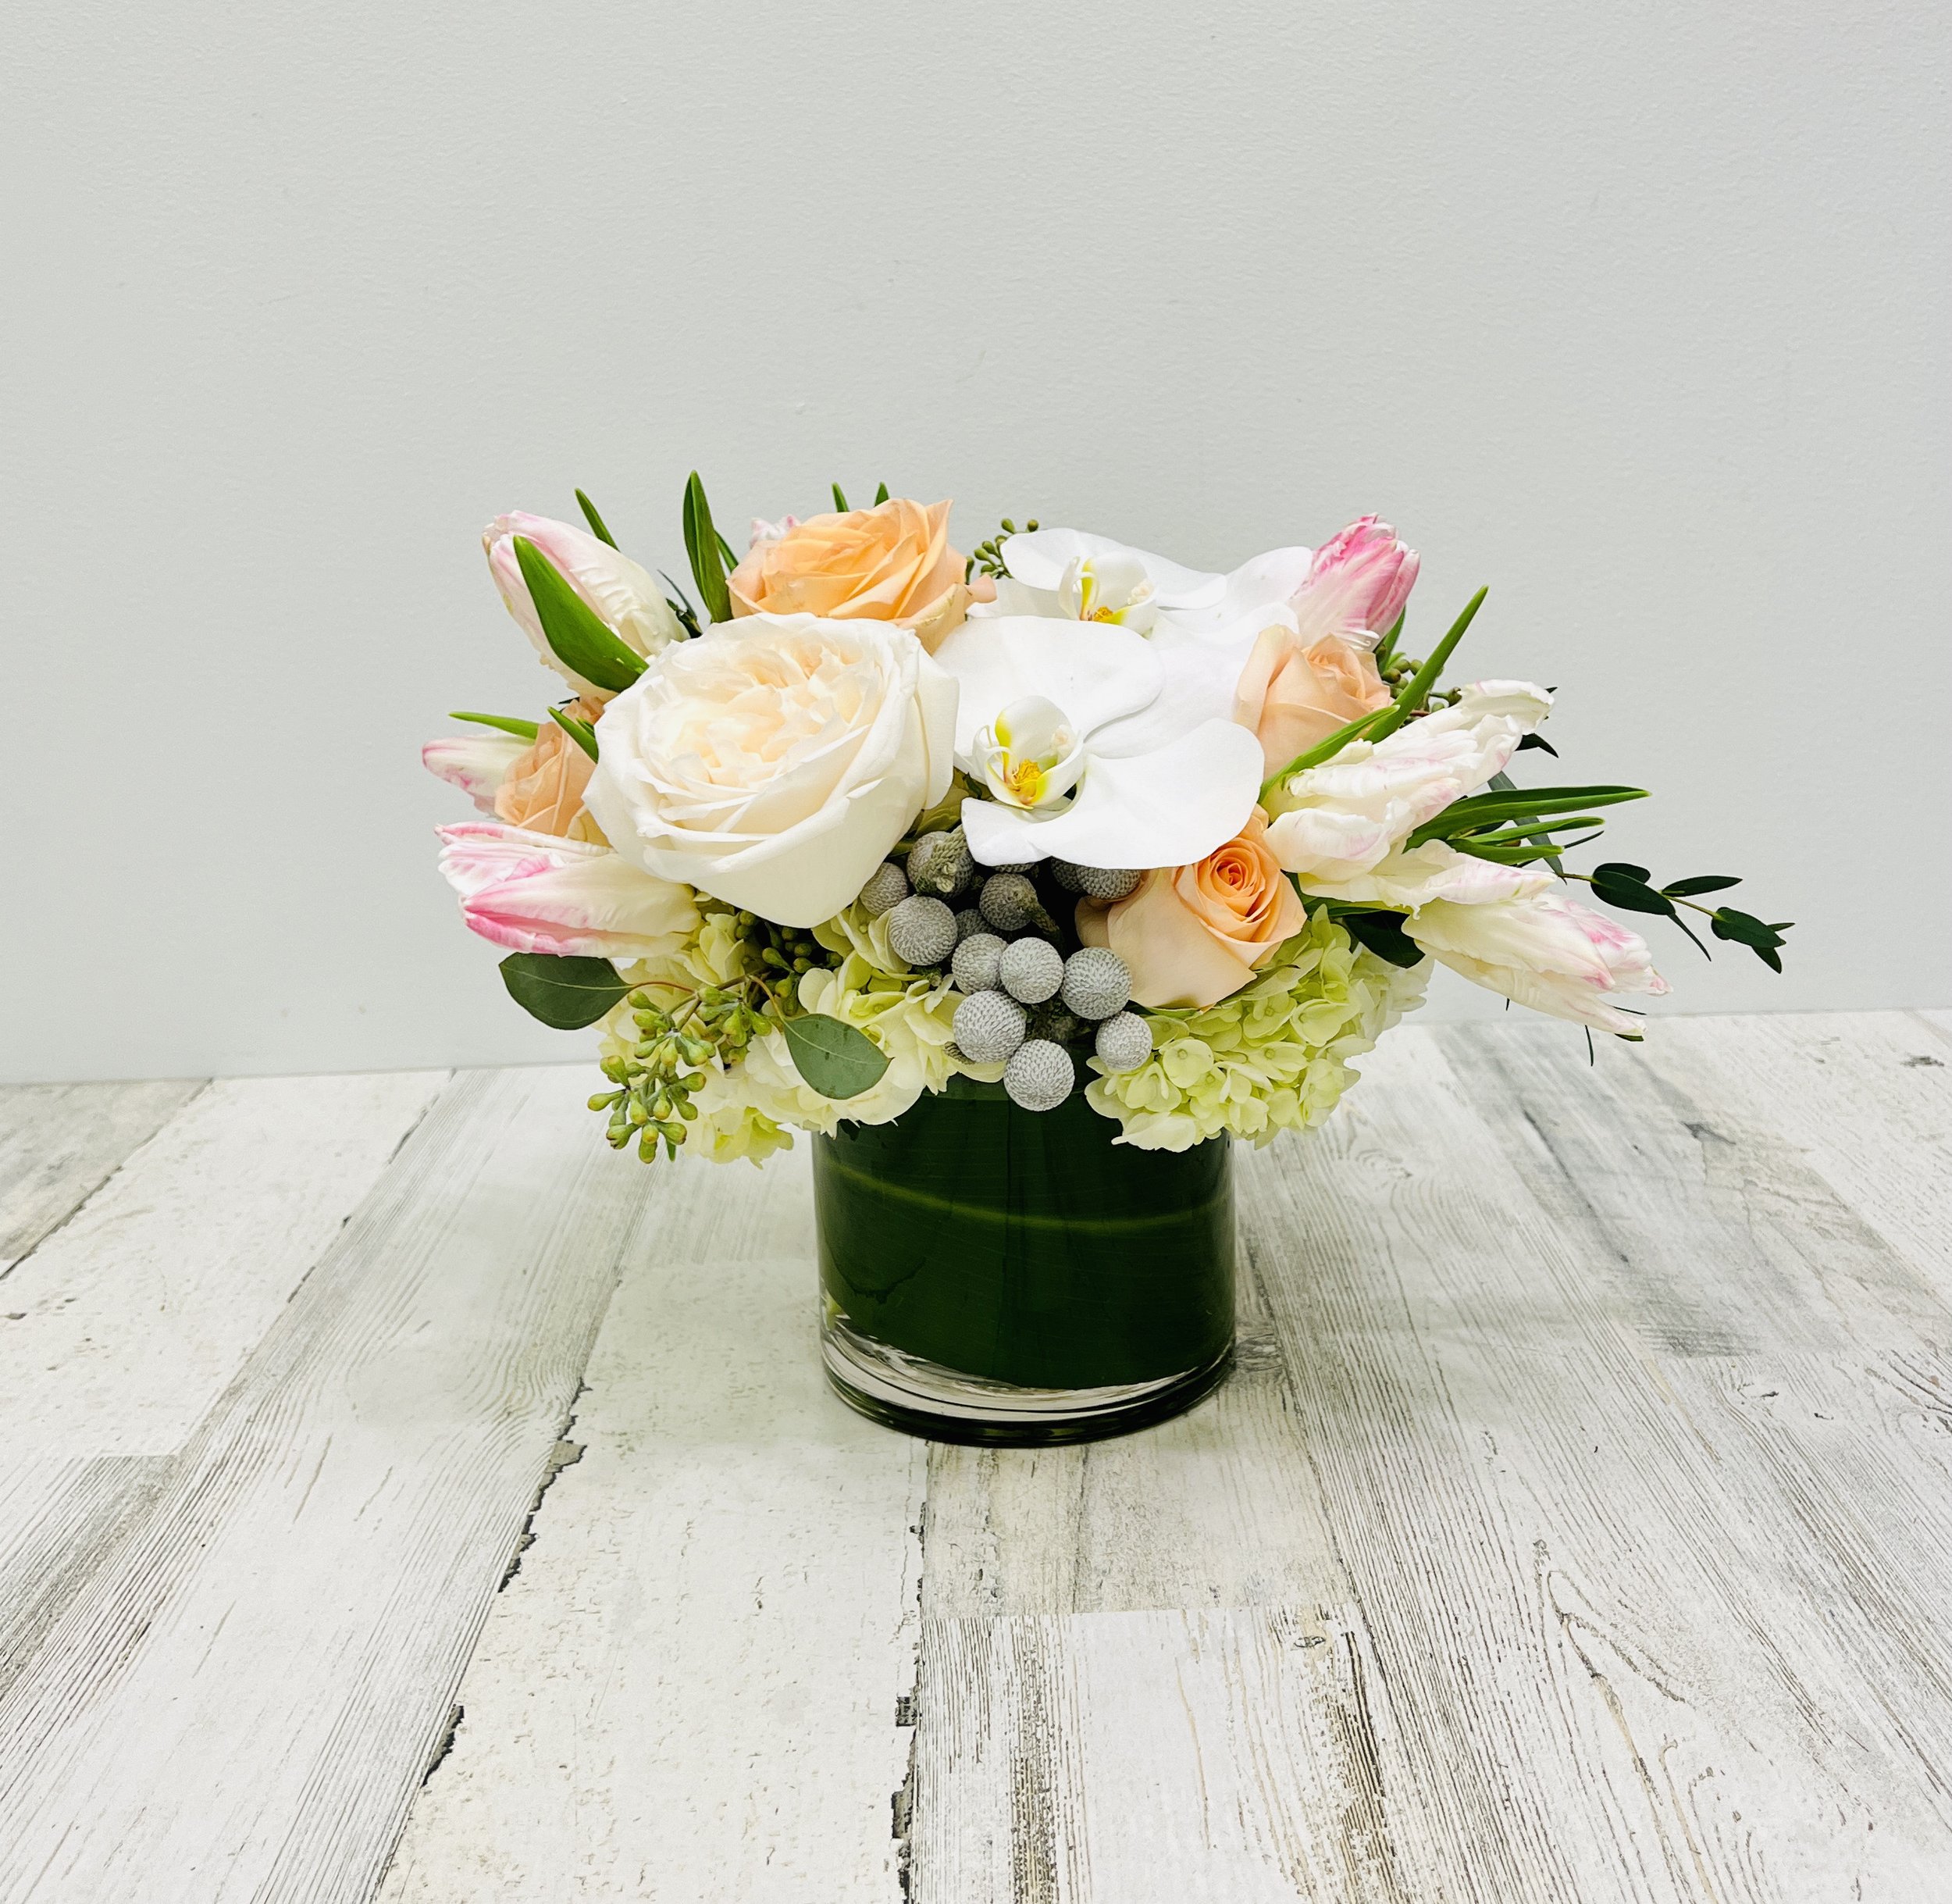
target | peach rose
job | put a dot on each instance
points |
(543, 791)
(891, 563)
(1195, 935)
(1295, 691)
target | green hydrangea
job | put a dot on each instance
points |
(1272, 1057)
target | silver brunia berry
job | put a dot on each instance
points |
(1096, 982)
(886, 888)
(1031, 970)
(989, 1027)
(1040, 1076)
(1124, 1042)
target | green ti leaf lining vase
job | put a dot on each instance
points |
(996, 1275)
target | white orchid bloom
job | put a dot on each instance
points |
(1335, 825)
(1071, 573)
(1091, 755)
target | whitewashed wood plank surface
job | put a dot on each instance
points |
(690, 1689)
(121, 1330)
(1865, 1099)
(240, 1702)
(1573, 1531)
(60, 1143)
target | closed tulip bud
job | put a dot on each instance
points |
(1358, 583)
(625, 597)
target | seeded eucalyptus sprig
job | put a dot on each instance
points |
(988, 557)
(656, 1078)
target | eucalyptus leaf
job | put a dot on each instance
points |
(565, 993)
(580, 640)
(702, 546)
(835, 1059)
(522, 730)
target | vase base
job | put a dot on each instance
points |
(923, 1399)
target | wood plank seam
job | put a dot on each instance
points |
(101, 1183)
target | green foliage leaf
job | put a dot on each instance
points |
(836, 1060)
(1360, 728)
(881, 494)
(1632, 895)
(1619, 869)
(596, 521)
(1538, 741)
(524, 730)
(705, 548)
(1382, 933)
(1746, 929)
(581, 641)
(581, 732)
(840, 499)
(1417, 690)
(1385, 648)
(566, 994)
(1482, 812)
(1706, 882)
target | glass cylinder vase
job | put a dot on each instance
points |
(1001, 1276)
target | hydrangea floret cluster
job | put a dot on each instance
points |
(866, 817)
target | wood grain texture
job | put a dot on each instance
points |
(60, 1143)
(123, 1328)
(690, 1689)
(238, 1703)
(1573, 1531)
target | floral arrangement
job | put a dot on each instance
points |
(867, 816)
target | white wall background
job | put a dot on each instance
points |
(1636, 312)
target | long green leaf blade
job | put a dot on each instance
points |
(1360, 728)
(524, 730)
(1418, 691)
(581, 641)
(840, 499)
(702, 547)
(1482, 811)
(581, 732)
(597, 527)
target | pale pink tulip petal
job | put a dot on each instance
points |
(1546, 951)
(535, 892)
(477, 762)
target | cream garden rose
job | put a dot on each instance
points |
(773, 762)
(891, 563)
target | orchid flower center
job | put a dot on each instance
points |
(1109, 588)
(1030, 754)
